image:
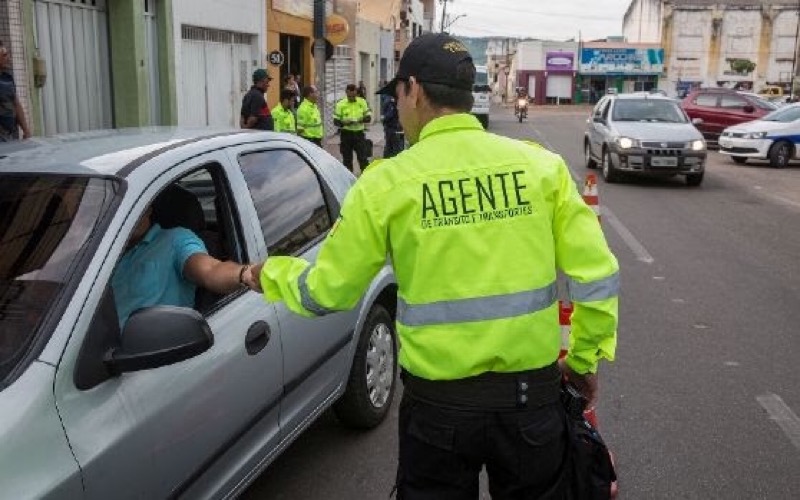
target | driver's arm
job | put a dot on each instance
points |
(218, 276)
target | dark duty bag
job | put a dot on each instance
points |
(589, 472)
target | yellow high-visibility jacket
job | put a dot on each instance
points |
(309, 120)
(476, 226)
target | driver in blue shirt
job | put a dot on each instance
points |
(165, 267)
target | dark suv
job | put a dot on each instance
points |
(719, 108)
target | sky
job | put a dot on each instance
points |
(544, 19)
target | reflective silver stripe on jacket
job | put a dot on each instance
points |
(477, 309)
(305, 297)
(603, 289)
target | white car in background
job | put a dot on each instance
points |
(774, 137)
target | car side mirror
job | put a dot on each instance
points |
(697, 121)
(159, 336)
(599, 119)
(748, 109)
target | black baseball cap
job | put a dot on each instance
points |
(434, 58)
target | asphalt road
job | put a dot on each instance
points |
(703, 398)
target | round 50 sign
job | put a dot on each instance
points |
(275, 58)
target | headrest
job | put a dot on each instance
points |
(178, 207)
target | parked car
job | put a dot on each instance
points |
(177, 402)
(773, 137)
(643, 134)
(720, 108)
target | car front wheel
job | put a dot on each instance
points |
(780, 154)
(372, 381)
(741, 160)
(610, 173)
(694, 179)
(587, 153)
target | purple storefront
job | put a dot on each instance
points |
(554, 83)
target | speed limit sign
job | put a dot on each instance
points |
(275, 58)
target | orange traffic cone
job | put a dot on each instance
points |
(590, 195)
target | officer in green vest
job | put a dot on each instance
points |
(309, 118)
(351, 114)
(477, 227)
(283, 113)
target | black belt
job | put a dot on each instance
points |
(490, 390)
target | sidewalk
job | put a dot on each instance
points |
(374, 133)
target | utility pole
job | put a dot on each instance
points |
(319, 56)
(794, 59)
(444, 13)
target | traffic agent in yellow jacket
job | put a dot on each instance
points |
(475, 239)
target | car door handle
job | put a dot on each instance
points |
(257, 337)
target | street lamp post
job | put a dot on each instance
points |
(507, 71)
(794, 59)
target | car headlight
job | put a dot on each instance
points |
(627, 142)
(698, 145)
(755, 135)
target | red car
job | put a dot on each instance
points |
(712, 110)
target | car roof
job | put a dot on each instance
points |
(107, 152)
(642, 95)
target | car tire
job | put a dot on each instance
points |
(741, 160)
(372, 381)
(779, 154)
(694, 179)
(610, 173)
(587, 155)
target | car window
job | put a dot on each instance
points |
(647, 110)
(732, 102)
(784, 115)
(598, 108)
(289, 199)
(706, 100)
(606, 108)
(47, 224)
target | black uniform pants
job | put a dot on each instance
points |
(394, 143)
(353, 142)
(443, 449)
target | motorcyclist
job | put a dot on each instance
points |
(521, 102)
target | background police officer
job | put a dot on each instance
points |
(309, 118)
(351, 114)
(477, 227)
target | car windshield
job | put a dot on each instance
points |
(647, 110)
(46, 222)
(784, 115)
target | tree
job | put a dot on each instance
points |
(742, 66)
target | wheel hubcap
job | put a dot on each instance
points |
(783, 153)
(380, 365)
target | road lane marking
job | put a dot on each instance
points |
(637, 248)
(785, 200)
(782, 415)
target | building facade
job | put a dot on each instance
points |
(742, 44)
(617, 66)
(547, 70)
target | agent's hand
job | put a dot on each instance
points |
(254, 281)
(586, 384)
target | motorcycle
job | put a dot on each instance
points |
(521, 108)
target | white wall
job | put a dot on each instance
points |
(368, 41)
(741, 32)
(530, 56)
(642, 22)
(690, 45)
(782, 47)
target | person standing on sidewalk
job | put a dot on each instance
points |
(283, 113)
(394, 140)
(255, 113)
(309, 118)
(12, 115)
(351, 114)
(461, 213)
